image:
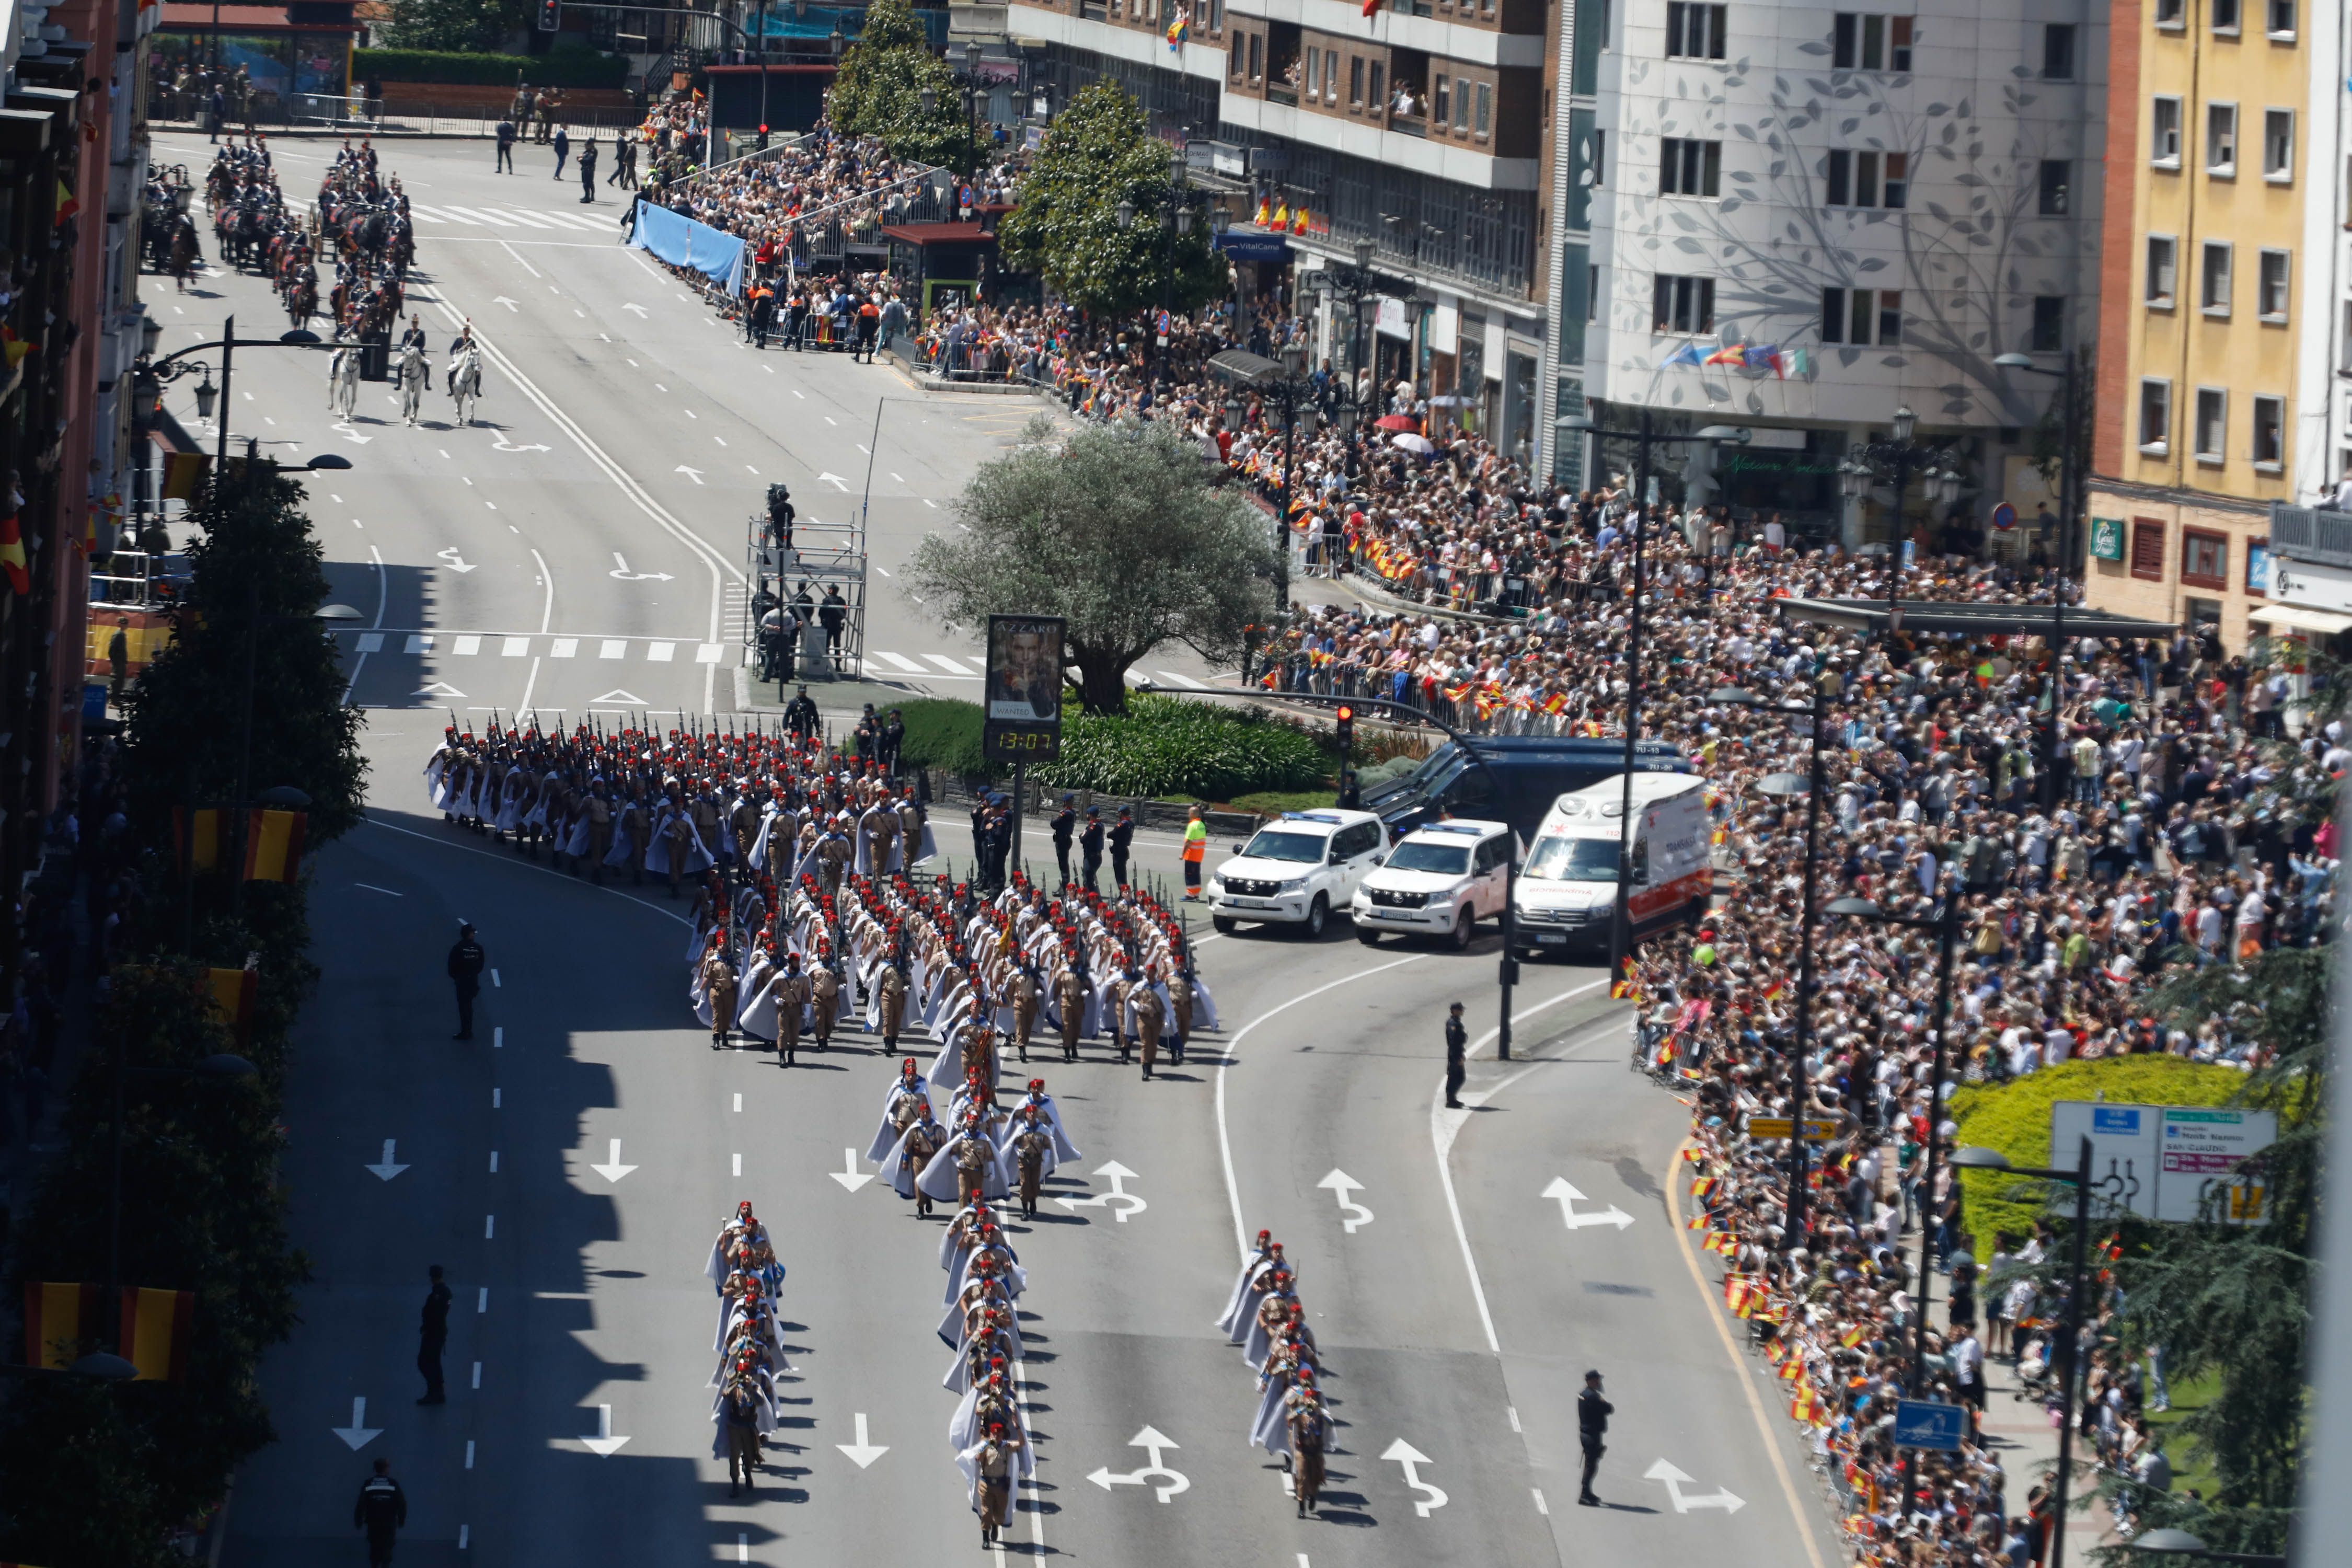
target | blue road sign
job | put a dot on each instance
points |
(1930, 1424)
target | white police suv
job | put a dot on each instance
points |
(1442, 880)
(1297, 870)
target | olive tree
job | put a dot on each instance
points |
(1124, 530)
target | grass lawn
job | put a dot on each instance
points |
(2189, 1468)
(1274, 803)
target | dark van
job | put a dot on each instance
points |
(1533, 772)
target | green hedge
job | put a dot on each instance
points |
(2014, 1118)
(1166, 746)
(942, 734)
(565, 68)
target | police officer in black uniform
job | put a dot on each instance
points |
(1457, 1044)
(800, 715)
(1122, 835)
(382, 1508)
(466, 961)
(433, 1335)
(1090, 847)
(1066, 828)
(1592, 1413)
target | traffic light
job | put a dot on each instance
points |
(1345, 717)
(550, 16)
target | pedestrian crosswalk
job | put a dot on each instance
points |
(880, 664)
(498, 644)
(512, 217)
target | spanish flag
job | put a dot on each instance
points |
(1265, 211)
(1852, 1335)
(232, 993)
(61, 1318)
(183, 474)
(155, 1333)
(1177, 28)
(1298, 221)
(15, 347)
(1282, 215)
(1623, 986)
(196, 837)
(273, 846)
(67, 203)
(11, 557)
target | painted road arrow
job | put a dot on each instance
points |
(694, 474)
(385, 1168)
(1342, 1185)
(851, 1179)
(1568, 1197)
(863, 1452)
(603, 1443)
(611, 1170)
(621, 569)
(457, 563)
(1151, 1440)
(1662, 1471)
(359, 1434)
(502, 299)
(1411, 1458)
(640, 310)
(836, 480)
(1120, 1175)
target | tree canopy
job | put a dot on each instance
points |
(462, 25)
(1100, 152)
(1123, 531)
(878, 90)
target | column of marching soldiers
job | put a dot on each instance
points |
(804, 908)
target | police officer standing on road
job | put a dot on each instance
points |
(833, 614)
(893, 739)
(382, 1508)
(1458, 1044)
(800, 715)
(1065, 826)
(1090, 846)
(466, 961)
(1593, 1414)
(1122, 836)
(433, 1334)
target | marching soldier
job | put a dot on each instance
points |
(1030, 1148)
(791, 989)
(1025, 1007)
(893, 986)
(824, 994)
(1070, 993)
(1145, 1000)
(992, 1459)
(719, 987)
(1180, 1009)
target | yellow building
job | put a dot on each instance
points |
(2208, 173)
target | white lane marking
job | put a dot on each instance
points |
(944, 662)
(498, 219)
(1513, 1411)
(467, 645)
(419, 642)
(864, 1452)
(738, 1102)
(495, 981)
(514, 647)
(1541, 1507)
(464, 1534)
(1410, 1460)
(512, 305)
(739, 1164)
(499, 1037)
(709, 653)
(482, 1301)
(359, 1434)
(470, 1442)
(661, 652)
(1224, 1139)
(371, 887)
(526, 866)
(490, 1226)
(528, 687)
(603, 1443)
(520, 216)
(566, 647)
(494, 1162)
(547, 606)
(370, 642)
(612, 647)
(478, 1383)
(929, 503)
(496, 1095)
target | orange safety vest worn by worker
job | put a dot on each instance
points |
(1196, 841)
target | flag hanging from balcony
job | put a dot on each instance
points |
(1686, 355)
(60, 1316)
(1265, 211)
(232, 993)
(196, 836)
(1298, 221)
(1728, 353)
(273, 846)
(1178, 28)
(67, 203)
(155, 1331)
(12, 556)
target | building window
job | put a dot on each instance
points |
(2163, 133)
(2049, 324)
(1372, 88)
(2163, 253)
(2278, 145)
(2204, 558)
(1461, 103)
(1356, 81)
(1599, 158)
(1258, 56)
(2258, 568)
(1866, 179)
(2148, 549)
(1239, 55)
(1330, 76)
(1314, 73)
(1695, 32)
(1592, 292)
(2155, 415)
(1485, 109)
(1861, 316)
(2280, 20)
(2168, 12)
(2213, 278)
(1441, 101)
(2056, 177)
(2269, 433)
(2058, 52)
(2210, 434)
(1687, 167)
(2271, 286)
(2222, 139)
(1859, 42)
(2225, 15)
(1682, 304)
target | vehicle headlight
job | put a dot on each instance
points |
(1292, 886)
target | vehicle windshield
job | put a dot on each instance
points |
(1426, 779)
(1414, 855)
(1559, 858)
(1306, 848)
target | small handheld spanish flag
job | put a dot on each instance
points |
(232, 993)
(1623, 986)
(273, 845)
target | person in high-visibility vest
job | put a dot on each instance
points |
(1196, 849)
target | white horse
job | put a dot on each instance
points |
(343, 382)
(466, 381)
(413, 371)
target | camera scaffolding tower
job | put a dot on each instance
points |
(785, 552)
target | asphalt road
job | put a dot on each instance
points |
(1458, 1292)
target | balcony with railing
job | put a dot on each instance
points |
(2316, 535)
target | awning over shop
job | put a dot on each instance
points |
(2325, 623)
(1969, 618)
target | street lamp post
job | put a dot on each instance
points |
(2068, 435)
(1787, 786)
(1905, 457)
(1620, 920)
(1946, 924)
(1975, 1159)
(1177, 219)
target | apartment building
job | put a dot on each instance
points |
(1799, 219)
(1422, 128)
(2216, 361)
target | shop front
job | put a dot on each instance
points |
(296, 59)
